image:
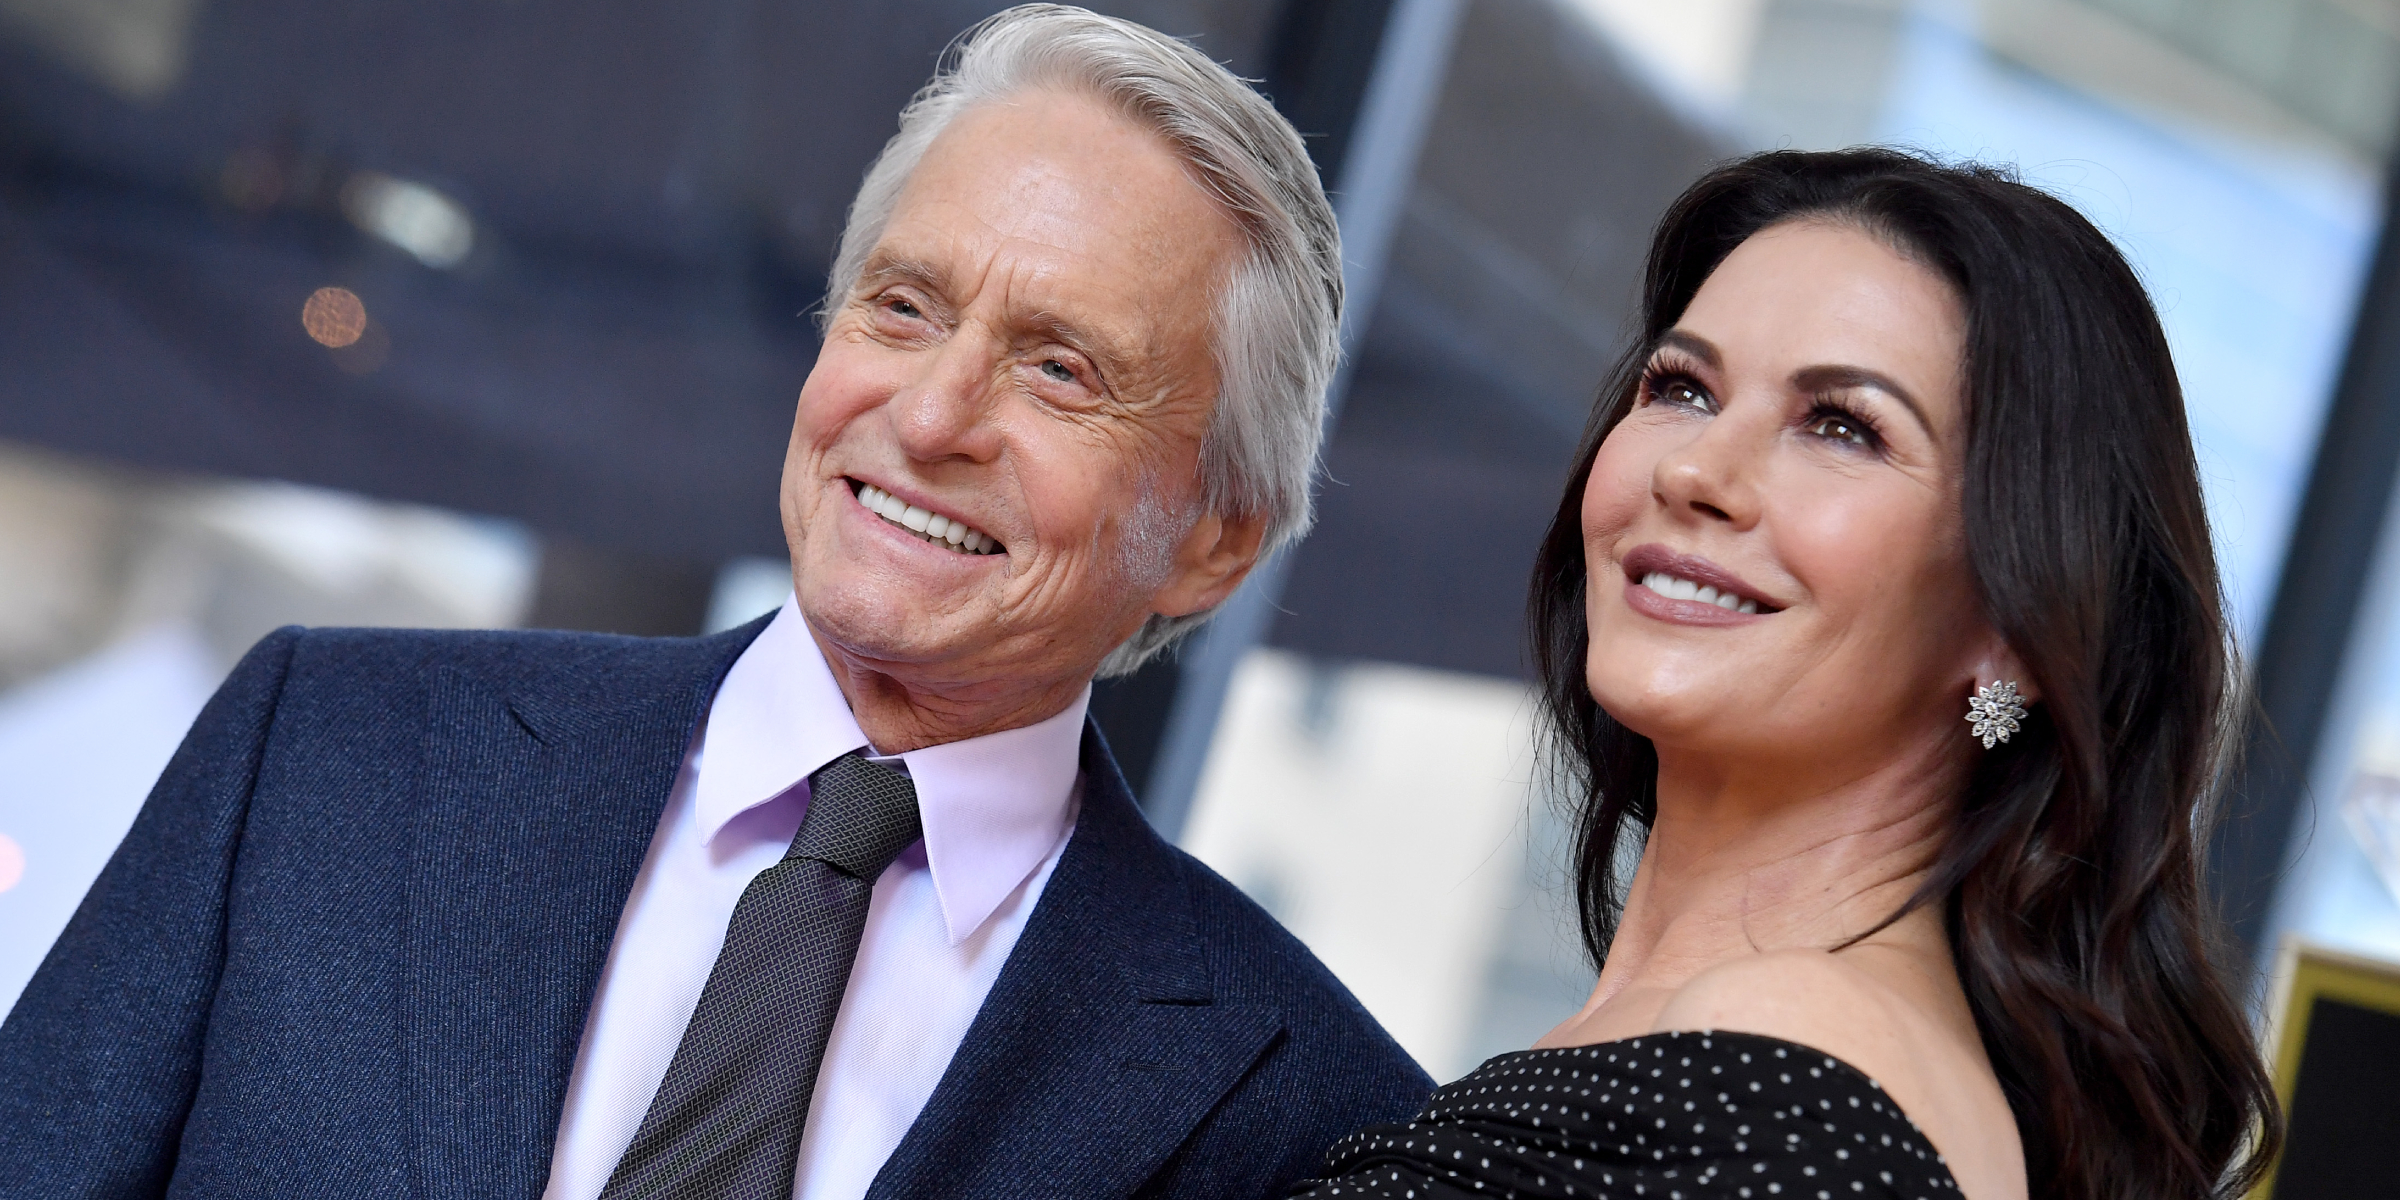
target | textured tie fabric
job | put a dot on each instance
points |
(727, 1118)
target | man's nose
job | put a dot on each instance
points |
(1713, 476)
(945, 411)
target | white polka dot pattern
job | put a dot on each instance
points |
(1671, 1116)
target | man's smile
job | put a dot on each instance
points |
(940, 529)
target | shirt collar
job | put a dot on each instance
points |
(994, 806)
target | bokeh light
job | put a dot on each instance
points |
(334, 316)
(12, 862)
(410, 215)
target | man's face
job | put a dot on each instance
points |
(1026, 363)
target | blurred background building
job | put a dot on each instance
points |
(460, 313)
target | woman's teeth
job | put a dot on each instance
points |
(1674, 588)
(931, 526)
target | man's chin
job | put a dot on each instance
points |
(870, 625)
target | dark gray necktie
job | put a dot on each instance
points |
(726, 1120)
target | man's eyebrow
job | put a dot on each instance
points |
(1057, 328)
(1843, 379)
(888, 268)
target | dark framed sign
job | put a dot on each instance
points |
(2335, 1041)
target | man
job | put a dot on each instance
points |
(851, 901)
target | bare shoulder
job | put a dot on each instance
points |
(1876, 1017)
(1803, 996)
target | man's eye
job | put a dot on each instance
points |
(904, 308)
(1057, 370)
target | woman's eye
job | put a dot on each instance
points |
(1678, 392)
(1057, 370)
(1840, 429)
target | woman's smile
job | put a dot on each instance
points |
(1686, 589)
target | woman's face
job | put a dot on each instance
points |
(1795, 453)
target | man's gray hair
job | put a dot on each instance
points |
(1278, 314)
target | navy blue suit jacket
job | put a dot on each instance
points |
(350, 943)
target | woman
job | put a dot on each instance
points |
(1880, 619)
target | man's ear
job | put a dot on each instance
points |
(1211, 561)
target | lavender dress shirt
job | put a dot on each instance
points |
(997, 811)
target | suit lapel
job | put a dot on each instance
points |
(539, 797)
(1102, 1044)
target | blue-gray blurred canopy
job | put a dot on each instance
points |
(585, 237)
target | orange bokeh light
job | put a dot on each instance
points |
(334, 316)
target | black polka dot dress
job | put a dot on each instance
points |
(1670, 1116)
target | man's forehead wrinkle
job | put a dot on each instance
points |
(1050, 205)
(1032, 200)
(926, 229)
(1056, 203)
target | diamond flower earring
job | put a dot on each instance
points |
(1994, 712)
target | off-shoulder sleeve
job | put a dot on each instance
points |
(1678, 1116)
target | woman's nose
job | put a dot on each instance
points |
(1713, 475)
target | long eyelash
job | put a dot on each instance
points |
(1827, 406)
(1667, 367)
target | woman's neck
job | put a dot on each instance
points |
(1740, 862)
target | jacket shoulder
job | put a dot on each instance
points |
(1334, 1071)
(1256, 960)
(1329, 1038)
(514, 661)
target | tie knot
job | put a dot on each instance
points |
(861, 815)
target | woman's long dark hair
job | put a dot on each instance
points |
(2071, 885)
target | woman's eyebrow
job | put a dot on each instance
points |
(1695, 345)
(1839, 379)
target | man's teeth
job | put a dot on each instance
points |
(931, 526)
(1674, 588)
